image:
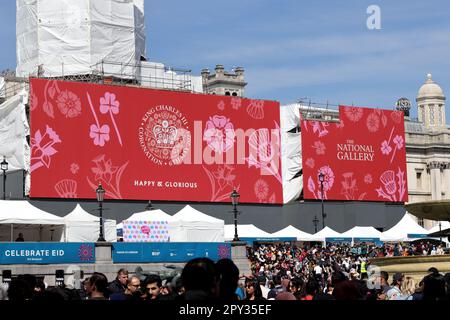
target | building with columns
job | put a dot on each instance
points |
(428, 147)
(224, 83)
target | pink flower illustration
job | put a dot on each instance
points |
(107, 174)
(368, 178)
(222, 182)
(219, 134)
(261, 190)
(66, 188)
(349, 186)
(354, 114)
(42, 148)
(328, 180)
(256, 109)
(398, 141)
(108, 103)
(385, 148)
(221, 105)
(236, 103)
(224, 175)
(373, 122)
(320, 128)
(33, 101)
(340, 125)
(104, 169)
(69, 104)
(100, 135)
(388, 180)
(310, 163)
(74, 167)
(320, 148)
(397, 116)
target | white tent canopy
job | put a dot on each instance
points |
(399, 232)
(362, 232)
(245, 231)
(82, 226)
(292, 232)
(326, 232)
(191, 225)
(150, 215)
(35, 224)
(444, 225)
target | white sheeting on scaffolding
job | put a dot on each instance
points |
(68, 37)
(291, 154)
(13, 131)
(2, 88)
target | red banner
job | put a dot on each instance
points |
(144, 144)
(361, 158)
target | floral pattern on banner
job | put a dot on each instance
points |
(67, 188)
(223, 252)
(222, 181)
(264, 148)
(108, 175)
(219, 134)
(362, 153)
(146, 231)
(86, 252)
(42, 148)
(255, 109)
(394, 185)
(328, 182)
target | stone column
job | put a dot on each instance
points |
(446, 186)
(435, 180)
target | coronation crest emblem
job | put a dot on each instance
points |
(164, 135)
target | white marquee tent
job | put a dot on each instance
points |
(362, 232)
(245, 231)
(292, 232)
(444, 225)
(191, 225)
(407, 225)
(155, 220)
(35, 224)
(326, 232)
(150, 215)
(82, 226)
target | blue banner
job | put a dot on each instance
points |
(46, 253)
(417, 236)
(349, 240)
(168, 252)
(250, 241)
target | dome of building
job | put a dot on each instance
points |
(430, 89)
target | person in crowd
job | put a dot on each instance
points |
(311, 289)
(20, 238)
(97, 286)
(253, 291)
(433, 286)
(408, 288)
(132, 292)
(262, 284)
(200, 280)
(277, 289)
(297, 288)
(395, 292)
(152, 285)
(119, 284)
(229, 278)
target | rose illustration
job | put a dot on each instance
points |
(219, 133)
(69, 104)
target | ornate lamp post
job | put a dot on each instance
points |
(100, 196)
(4, 167)
(321, 179)
(235, 200)
(316, 222)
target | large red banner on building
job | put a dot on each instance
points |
(362, 157)
(144, 144)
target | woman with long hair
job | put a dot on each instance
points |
(253, 291)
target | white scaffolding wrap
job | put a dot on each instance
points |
(13, 132)
(66, 37)
(291, 153)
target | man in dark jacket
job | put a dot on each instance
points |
(120, 283)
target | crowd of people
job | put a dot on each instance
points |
(279, 272)
(341, 272)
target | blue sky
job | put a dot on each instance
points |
(292, 49)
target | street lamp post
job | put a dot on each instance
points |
(100, 196)
(440, 229)
(235, 200)
(4, 167)
(316, 222)
(321, 179)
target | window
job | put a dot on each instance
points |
(227, 93)
(422, 114)
(431, 106)
(419, 180)
(234, 94)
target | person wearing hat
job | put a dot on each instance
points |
(395, 292)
